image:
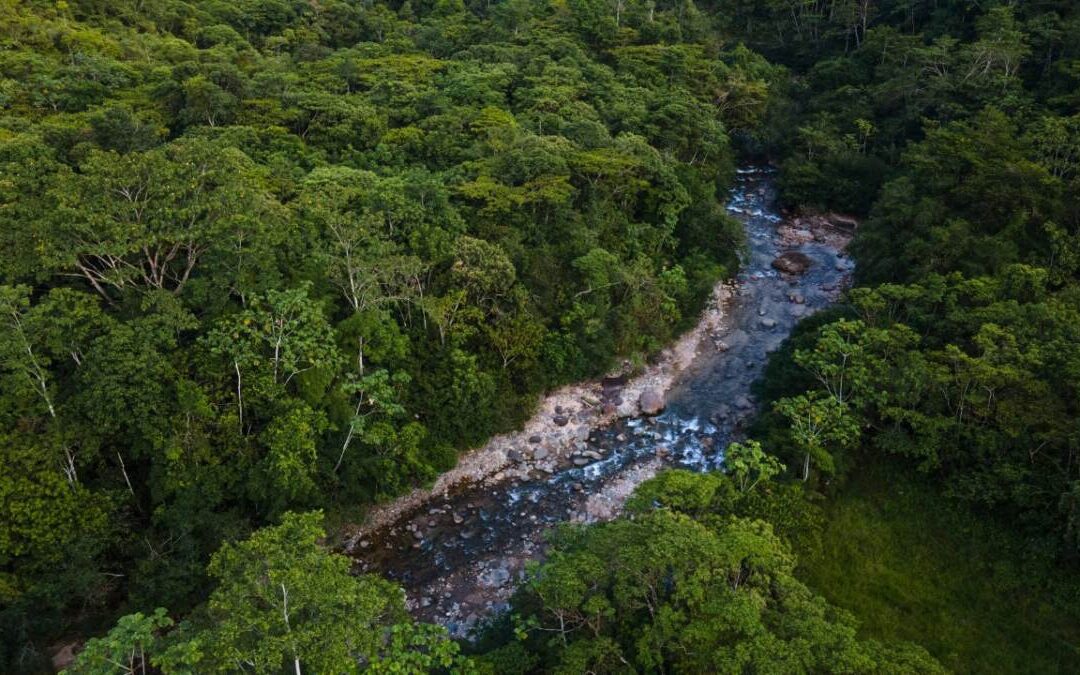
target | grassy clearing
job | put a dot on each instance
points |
(913, 566)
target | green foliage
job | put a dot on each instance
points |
(281, 602)
(665, 591)
(912, 566)
(125, 649)
(259, 256)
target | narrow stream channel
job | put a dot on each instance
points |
(459, 556)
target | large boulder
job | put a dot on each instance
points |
(651, 402)
(792, 262)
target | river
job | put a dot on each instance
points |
(459, 554)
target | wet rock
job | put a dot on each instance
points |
(843, 222)
(418, 535)
(651, 402)
(495, 577)
(768, 323)
(64, 656)
(581, 461)
(458, 518)
(560, 420)
(743, 403)
(662, 451)
(613, 382)
(577, 487)
(796, 298)
(722, 346)
(592, 454)
(792, 262)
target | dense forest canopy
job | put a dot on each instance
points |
(264, 257)
(279, 255)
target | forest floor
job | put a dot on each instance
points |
(914, 566)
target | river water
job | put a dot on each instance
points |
(459, 556)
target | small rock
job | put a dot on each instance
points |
(651, 402)
(559, 410)
(796, 298)
(418, 535)
(792, 262)
(662, 451)
(540, 453)
(458, 518)
(580, 461)
(743, 403)
(495, 577)
(768, 323)
(515, 455)
(561, 420)
(535, 439)
(577, 487)
(64, 656)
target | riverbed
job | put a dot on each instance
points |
(458, 549)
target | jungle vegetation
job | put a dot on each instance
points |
(267, 260)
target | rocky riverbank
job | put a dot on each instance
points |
(563, 421)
